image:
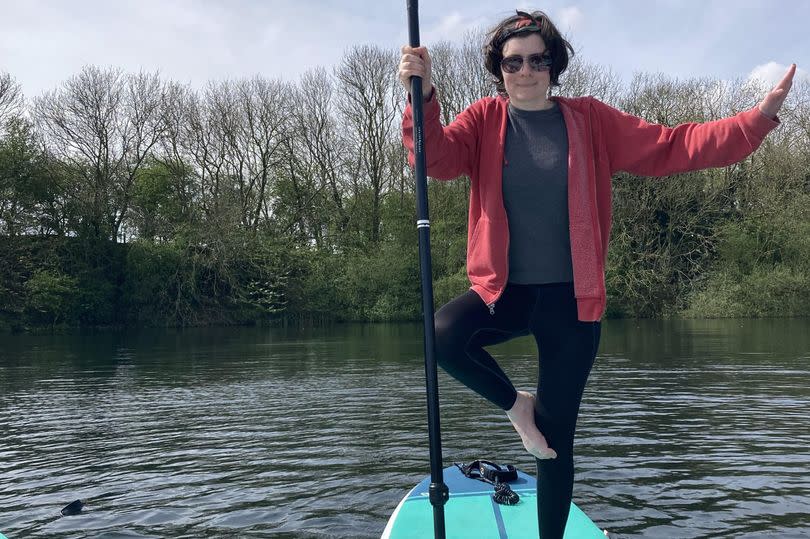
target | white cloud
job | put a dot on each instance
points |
(769, 74)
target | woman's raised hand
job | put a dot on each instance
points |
(415, 62)
(773, 100)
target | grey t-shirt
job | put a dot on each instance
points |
(535, 195)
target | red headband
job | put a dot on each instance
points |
(527, 23)
(526, 19)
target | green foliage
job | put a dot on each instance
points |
(27, 192)
(663, 238)
(255, 201)
(153, 291)
(450, 286)
(225, 282)
(53, 280)
(157, 210)
(378, 286)
(51, 297)
(97, 301)
(264, 277)
(761, 292)
(763, 268)
(381, 285)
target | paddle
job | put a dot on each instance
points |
(438, 492)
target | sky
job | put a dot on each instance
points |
(44, 42)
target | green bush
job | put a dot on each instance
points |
(763, 267)
(97, 301)
(52, 298)
(448, 287)
(764, 292)
(152, 274)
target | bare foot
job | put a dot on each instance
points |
(522, 417)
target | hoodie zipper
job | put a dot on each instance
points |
(491, 306)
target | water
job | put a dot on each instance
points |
(688, 429)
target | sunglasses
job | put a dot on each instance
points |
(537, 62)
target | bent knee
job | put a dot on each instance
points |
(450, 342)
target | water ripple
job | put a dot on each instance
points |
(268, 434)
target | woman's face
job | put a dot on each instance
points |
(527, 88)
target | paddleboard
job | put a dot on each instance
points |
(471, 513)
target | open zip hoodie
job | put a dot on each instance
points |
(602, 141)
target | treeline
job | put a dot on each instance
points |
(126, 199)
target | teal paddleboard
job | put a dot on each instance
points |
(471, 513)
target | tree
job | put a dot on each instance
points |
(101, 125)
(459, 74)
(11, 98)
(322, 152)
(584, 78)
(29, 197)
(369, 107)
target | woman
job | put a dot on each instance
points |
(539, 220)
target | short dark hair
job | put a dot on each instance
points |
(523, 24)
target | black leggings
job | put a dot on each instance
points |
(567, 349)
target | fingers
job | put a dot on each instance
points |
(773, 101)
(421, 52)
(779, 92)
(412, 66)
(787, 80)
(415, 62)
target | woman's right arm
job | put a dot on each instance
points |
(449, 151)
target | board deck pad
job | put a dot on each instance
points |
(471, 512)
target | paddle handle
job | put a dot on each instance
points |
(438, 491)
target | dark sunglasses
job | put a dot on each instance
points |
(537, 62)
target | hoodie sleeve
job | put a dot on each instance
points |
(449, 151)
(646, 149)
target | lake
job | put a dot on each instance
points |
(688, 429)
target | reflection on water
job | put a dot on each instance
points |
(688, 429)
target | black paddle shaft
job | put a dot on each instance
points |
(438, 491)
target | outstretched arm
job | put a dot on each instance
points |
(638, 147)
(772, 102)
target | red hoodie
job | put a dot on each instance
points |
(601, 142)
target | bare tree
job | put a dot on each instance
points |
(446, 80)
(586, 79)
(369, 105)
(226, 147)
(11, 98)
(459, 74)
(261, 128)
(197, 137)
(664, 100)
(317, 159)
(102, 124)
(172, 150)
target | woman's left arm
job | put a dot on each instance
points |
(646, 149)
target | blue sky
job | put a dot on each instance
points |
(43, 42)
